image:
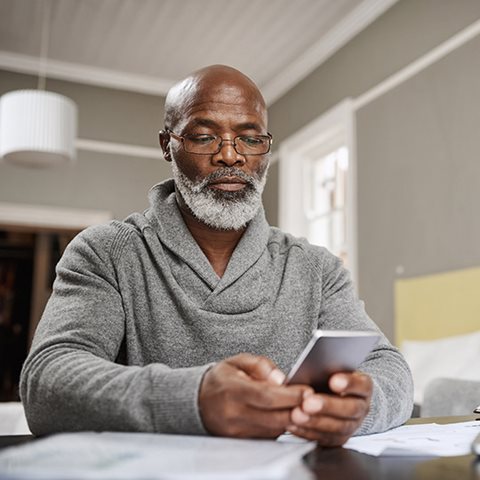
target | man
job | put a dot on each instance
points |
(184, 318)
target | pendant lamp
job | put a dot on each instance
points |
(38, 128)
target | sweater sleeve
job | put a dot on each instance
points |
(70, 380)
(392, 399)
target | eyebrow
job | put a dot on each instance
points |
(205, 122)
(202, 122)
(249, 126)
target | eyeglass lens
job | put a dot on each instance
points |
(243, 145)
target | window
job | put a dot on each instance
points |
(325, 202)
(317, 184)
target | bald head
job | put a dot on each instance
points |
(216, 82)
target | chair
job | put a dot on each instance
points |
(450, 396)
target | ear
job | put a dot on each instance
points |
(164, 139)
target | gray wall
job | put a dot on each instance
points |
(419, 178)
(418, 146)
(99, 181)
(405, 32)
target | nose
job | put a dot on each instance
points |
(228, 156)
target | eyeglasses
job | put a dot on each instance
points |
(206, 144)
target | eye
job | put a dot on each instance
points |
(251, 141)
(200, 139)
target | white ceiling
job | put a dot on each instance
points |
(147, 45)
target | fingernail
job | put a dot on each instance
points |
(308, 393)
(276, 376)
(300, 417)
(338, 382)
(292, 428)
(313, 404)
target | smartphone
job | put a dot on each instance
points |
(329, 352)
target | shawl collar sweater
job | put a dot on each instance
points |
(138, 315)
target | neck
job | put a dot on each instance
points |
(217, 245)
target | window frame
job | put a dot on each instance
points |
(295, 154)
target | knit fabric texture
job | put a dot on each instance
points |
(138, 315)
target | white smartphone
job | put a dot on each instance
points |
(329, 352)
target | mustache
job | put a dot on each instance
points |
(227, 172)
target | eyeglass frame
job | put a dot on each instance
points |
(181, 138)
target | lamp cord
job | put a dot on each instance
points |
(42, 69)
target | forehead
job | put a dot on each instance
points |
(222, 103)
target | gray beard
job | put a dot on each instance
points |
(218, 209)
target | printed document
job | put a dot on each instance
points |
(108, 455)
(430, 439)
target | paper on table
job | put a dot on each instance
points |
(110, 455)
(419, 440)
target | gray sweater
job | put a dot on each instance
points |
(138, 315)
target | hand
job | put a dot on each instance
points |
(332, 419)
(243, 396)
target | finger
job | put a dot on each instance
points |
(271, 423)
(355, 383)
(245, 421)
(273, 397)
(323, 423)
(242, 389)
(345, 407)
(258, 367)
(322, 438)
(254, 423)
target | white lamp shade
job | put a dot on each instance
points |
(37, 128)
